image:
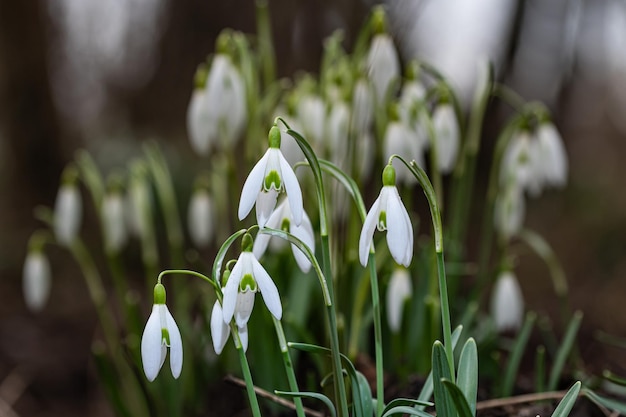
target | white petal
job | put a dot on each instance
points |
(231, 289)
(68, 209)
(176, 345)
(398, 291)
(268, 289)
(36, 280)
(507, 302)
(151, 342)
(243, 309)
(399, 229)
(447, 137)
(265, 204)
(200, 218)
(243, 337)
(114, 226)
(367, 231)
(201, 123)
(383, 65)
(292, 188)
(554, 158)
(252, 187)
(262, 240)
(304, 232)
(219, 329)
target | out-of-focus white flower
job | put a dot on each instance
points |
(282, 218)
(248, 275)
(217, 111)
(271, 175)
(388, 213)
(401, 140)
(507, 302)
(365, 149)
(337, 133)
(447, 136)
(552, 156)
(114, 225)
(399, 290)
(311, 112)
(509, 210)
(36, 280)
(200, 217)
(160, 333)
(362, 106)
(68, 213)
(383, 65)
(220, 329)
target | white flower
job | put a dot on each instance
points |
(362, 106)
(509, 210)
(160, 333)
(36, 280)
(114, 227)
(220, 329)
(383, 65)
(312, 117)
(201, 125)
(553, 159)
(520, 163)
(447, 137)
(399, 290)
(200, 217)
(337, 133)
(271, 175)
(401, 140)
(388, 213)
(280, 219)
(248, 275)
(507, 302)
(68, 211)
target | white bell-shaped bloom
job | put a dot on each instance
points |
(509, 210)
(337, 133)
(507, 302)
(365, 150)
(201, 125)
(36, 280)
(388, 213)
(271, 175)
(401, 140)
(383, 65)
(311, 112)
(399, 290)
(362, 106)
(447, 136)
(160, 333)
(552, 156)
(114, 225)
(520, 163)
(282, 218)
(248, 275)
(220, 329)
(201, 218)
(68, 213)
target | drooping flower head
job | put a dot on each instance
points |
(68, 208)
(160, 333)
(36, 279)
(282, 218)
(269, 177)
(401, 139)
(249, 276)
(200, 214)
(382, 60)
(399, 290)
(507, 302)
(388, 213)
(220, 329)
(447, 136)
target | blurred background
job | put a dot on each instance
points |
(108, 75)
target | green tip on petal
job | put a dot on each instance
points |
(272, 180)
(247, 283)
(246, 243)
(200, 77)
(159, 294)
(165, 335)
(274, 137)
(389, 175)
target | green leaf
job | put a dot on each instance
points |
(314, 395)
(349, 184)
(219, 259)
(564, 350)
(467, 378)
(91, 177)
(458, 399)
(403, 402)
(609, 403)
(441, 371)
(515, 358)
(365, 392)
(566, 404)
(403, 409)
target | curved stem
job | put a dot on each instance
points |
(291, 376)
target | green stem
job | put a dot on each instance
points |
(378, 337)
(247, 376)
(266, 48)
(434, 161)
(186, 272)
(291, 376)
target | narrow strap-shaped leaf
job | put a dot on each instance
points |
(467, 374)
(609, 403)
(512, 366)
(314, 395)
(564, 350)
(403, 409)
(566, 404)
(404, 402)
(219, 260)
(349, 184)
(441, 371)
(458, 398)
(367, 408)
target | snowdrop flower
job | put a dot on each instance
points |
(552, 156)
(337, 132)
(401, 140)
(399, 290)
(160, 333)
(248, 275)
(383, 65)
(218, 106)
(114, 226)
(282, 218)
(520, 163)
(507, 303)
(200, 217)
(311, 112)
(138, 202)
(221, 329)
(362, 106)
(271, 175)
(68, 209)
(36, 280)
(447, 136)
(388, 213)
(509, 210)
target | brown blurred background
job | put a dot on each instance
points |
(106, 75)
